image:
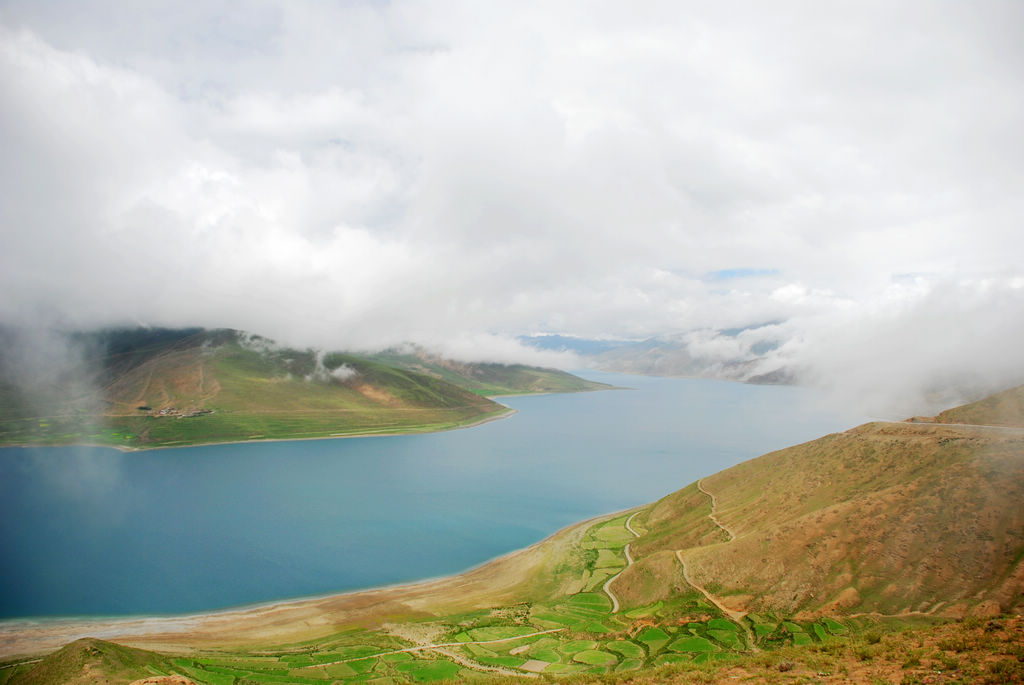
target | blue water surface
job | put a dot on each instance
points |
(94, 531)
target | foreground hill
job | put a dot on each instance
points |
(154, 388)
(842, 559)
(89, 661)
(893, 518)
(889, 518)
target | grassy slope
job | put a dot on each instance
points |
(489, 379)
(248, 389)
(253, 396)
(250, 392)
(892, 518)
(93, 661)
(1002, 409)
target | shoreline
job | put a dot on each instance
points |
(509, 411)
(30, 637)
(386, 433)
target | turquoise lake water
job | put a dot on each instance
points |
(91, 531)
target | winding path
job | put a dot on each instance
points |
(736, 616)
(629, 527)
(477, 666)
(629, 562)
(714, 508)
(441, 645)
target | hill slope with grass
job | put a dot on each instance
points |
(1002, 409)
(157, 388)
(93, 661)
(894, 518)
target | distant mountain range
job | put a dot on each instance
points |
(159, 387)
(740, 354)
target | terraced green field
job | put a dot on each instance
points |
(573, 634)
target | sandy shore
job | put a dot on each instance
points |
(506, 579)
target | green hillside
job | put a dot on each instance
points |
(145, 388)
(91, 661)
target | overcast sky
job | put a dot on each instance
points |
(459, 173)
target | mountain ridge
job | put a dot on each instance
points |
(145, 388)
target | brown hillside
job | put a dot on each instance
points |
(1002, 409)
(888, 518)
(178, 378)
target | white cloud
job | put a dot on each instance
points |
(456, 174)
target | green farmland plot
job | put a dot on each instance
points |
(606, 558)
(362, 665)
(591, 601)
(430, 671)
(834, 627)
(599, 577)
(593, 657)
(630, 665)
(820, 632)
(552, 619)
(692, 643)
(726, 637)
(613, 534)
(340, 671)
(478, 651)
(497, 633)
(504, 661)
(547, 654)
(573, 646)
(627, 649)
(722, 624)
(645, 611)
(654, 638)
(802, 639)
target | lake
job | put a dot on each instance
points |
(94, 531)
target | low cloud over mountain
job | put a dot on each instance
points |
(457, 175)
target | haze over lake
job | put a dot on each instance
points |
(93, 531)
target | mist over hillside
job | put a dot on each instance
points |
(146, 387)
(944, 350)
(455, 176)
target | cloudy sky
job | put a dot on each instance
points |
(460, 173)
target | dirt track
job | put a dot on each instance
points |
(736, 616)
(629, 562)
